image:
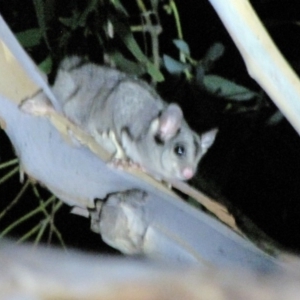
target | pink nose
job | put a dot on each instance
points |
(187, 173)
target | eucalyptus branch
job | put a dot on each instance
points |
(263, 60)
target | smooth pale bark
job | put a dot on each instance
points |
(37, 274)
(263, 60)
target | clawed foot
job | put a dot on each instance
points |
(119, 159)
(108, 140)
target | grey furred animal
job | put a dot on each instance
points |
(152, 133)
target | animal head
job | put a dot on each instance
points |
(178, 149)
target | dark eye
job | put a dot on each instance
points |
(179, 150)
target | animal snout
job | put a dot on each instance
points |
(187, 173)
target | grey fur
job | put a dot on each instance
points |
(101, 99)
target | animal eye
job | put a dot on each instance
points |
(179, 150)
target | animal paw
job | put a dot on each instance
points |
(118, 163)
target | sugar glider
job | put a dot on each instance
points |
(152, 133)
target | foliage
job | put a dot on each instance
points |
(46, 208)
(107, 26)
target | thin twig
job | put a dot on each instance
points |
(9, 163)
(152, 29)
(9, 175)
(25, 218)
(15, 200)
(31, 232)
(47, 215)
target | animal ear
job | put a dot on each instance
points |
(169, 122)
(208, 138)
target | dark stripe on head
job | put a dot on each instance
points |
(196, 145)
(158, 140)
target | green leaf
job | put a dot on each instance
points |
(227, 89)
(173, 66)
(118, 5)
(215, 52)
(78, 18)
(46, 65)
(127, 65)
(44, 11)
(30, 38)
(133, 47)
(182, 46)
(154, 72)
(39, 6)
(69, 22)
(127, 38)
(92, 6)
(275, 118)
